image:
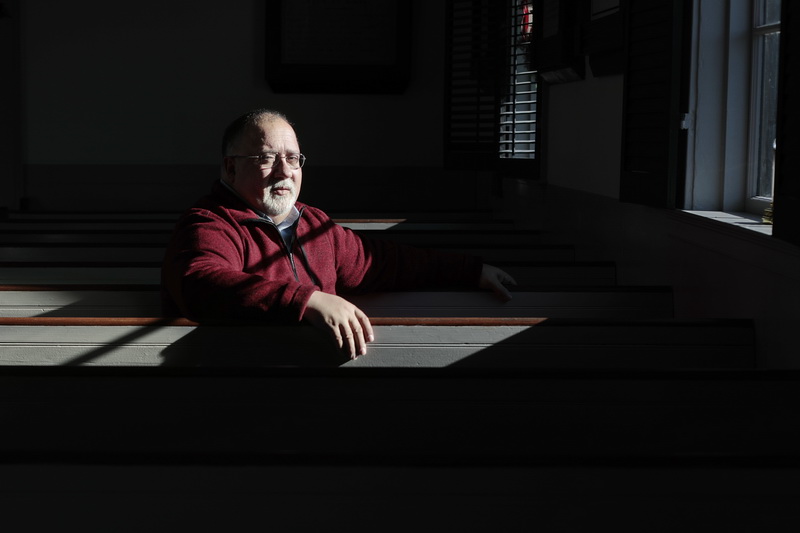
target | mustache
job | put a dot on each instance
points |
(283, 184)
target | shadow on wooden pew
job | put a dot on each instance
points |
(414, 343)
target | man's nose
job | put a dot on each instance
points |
(281, 168)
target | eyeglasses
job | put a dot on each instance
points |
(270, 159)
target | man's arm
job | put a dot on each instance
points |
(386, 265)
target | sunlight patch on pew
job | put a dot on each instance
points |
(437, 343)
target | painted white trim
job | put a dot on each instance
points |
(719, 99)
(721, 117)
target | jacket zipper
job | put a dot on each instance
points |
(291, 258)
(289, 254)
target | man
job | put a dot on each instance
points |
(250, 251)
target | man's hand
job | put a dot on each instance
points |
(493, 278)
(346, 323)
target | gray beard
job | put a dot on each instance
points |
(274, 206)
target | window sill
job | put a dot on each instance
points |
(747, 221)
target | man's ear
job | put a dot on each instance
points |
(228, 169)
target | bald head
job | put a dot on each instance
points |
(237, 129)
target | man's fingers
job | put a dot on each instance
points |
(350, 340)
(347, 324)
(502, 292)
(359, 345)
(369, 334)
(493, 278)
(362, 330)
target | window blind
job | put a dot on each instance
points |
(491, 92)
(518, 108)
(476, 60)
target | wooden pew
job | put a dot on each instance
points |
(127, 248)
(486, 343)
(465, 449)
(144, 301)
(400, 418)
(462, 235)
(101, 241)
(158, 231)
(444, 215)
(27, 240)
(543, 274)
(454, 235)
(135, 253)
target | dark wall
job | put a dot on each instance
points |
(130, 104)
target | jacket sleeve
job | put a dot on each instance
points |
(203, 277)
(366, 265)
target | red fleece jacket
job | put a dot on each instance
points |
(226, 262)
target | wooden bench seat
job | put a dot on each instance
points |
(133, 301)
(400, 342)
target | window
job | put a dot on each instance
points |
(518, 108)
(765, 46)
(491, 93)
(732, 113)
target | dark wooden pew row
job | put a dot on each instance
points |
(25, 242)
(468, 450)
(49, 216)
(44, 273)
(424, 235)
(455, 417)
(443, 215)
(541, 273)
(160, 229)
(157, 228)
(10, 255)
(487, 343)
(23, 262)
(144, 301)
(437, 233)
(23, 256)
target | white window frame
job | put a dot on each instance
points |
(755, 202)
(720, 118)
